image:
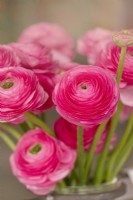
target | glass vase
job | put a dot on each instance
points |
(107, 191)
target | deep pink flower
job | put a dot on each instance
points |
(40, 161)
(86, 95)
(67, 132)
(92, 42)
(34, 57)
(48, 85)
(109, 59)
(52, 36)
(20, 92)
(8, 57)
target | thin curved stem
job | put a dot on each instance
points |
(123, 156)
(7, 140)
(121, 64)
(80, 158)
(37, 121)
(92, 150)
(114, 157)
(99, 174)
(11, 130)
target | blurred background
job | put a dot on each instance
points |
(76, 16)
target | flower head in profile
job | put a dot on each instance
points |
(86, 95)
(67, 132)
(20, 92)
(51, 36)
(40, 161)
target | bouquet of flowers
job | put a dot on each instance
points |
(38, 72)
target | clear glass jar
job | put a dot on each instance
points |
(108, 191)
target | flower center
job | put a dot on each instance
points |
(7, 85)
(84, 86)
(35, 149)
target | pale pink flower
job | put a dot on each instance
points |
(20, 92)
(40, 161)
(67, 132)
(34, 57)
(92, 42)
(125, 114)
(86, 95)
(51, 36)
(8, 57)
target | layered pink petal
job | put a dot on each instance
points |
(41, 169)
(53, 37)
(86, 95)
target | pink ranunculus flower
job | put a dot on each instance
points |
(109, 59)
(67, 132)
(34, 57)
(92, 42)
(53, 37)
(86, 95)
(20, 92)
(40, 161)
(8, 57)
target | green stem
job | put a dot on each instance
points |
(115, 155)
(103, 156)
(35, 120)
(11, 130)
(24, 127)
(121, 64)
(80, 158)
(124, 155)
(92, 150)
(7, 140)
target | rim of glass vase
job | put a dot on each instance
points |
(90, 189)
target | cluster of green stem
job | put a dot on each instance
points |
(108, 165)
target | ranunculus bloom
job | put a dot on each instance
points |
(67, 132)
(109, 59)
(8, 57)
(86, 95)
(34, 57)
(20, 92)
(40, 161)
(92, 43)
(52, 36)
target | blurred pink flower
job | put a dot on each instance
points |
(20, 92)
(51, 36)
(92, 42)
(8, 57)
(125, 114)
(34, 57)
(67, 132)
(40, 161)
(86, 95)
